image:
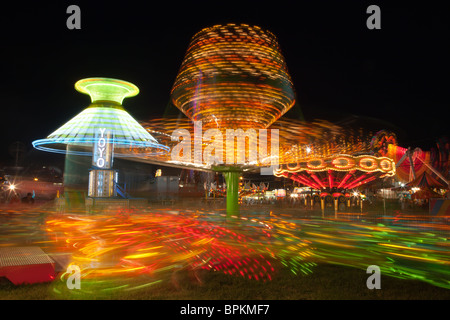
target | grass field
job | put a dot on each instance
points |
(327, 282)
(352, 245)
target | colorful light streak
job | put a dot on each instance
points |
(324, 138)
(145, 247)
(233, 76)
(106, 113)
(107, 89)
(342, 171)
(413, 163)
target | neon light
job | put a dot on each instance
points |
(233, 76)
(40, 145)
(381, 164)
(304, 180)
(103, 150)
(317, 180)
(386, 164)
(363, 163)
(347, 176)
(311, 164)
(349, 162)
(363, 182)
(128, 136)
(330, 179)
(354, 182)
(106, 89)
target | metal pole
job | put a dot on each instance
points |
(232, 179)
(231, 175)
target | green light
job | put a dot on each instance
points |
(104, 113)
(107, 89)
(83, 126)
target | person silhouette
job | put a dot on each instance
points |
(28, 199)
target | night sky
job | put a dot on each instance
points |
(339, 68)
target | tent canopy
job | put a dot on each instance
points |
(425, 181)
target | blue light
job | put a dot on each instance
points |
(46, 145)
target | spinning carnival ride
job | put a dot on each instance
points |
(414, 163)
(234, 77)
(104, 130)
(336, 176)
(234, 85)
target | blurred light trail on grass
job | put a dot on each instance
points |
(145, 247)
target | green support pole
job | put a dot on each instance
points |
(232, 179)
(231, 175)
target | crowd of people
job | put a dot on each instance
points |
(413, 203)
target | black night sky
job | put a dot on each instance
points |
(398, 74)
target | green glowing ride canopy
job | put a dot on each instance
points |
(105, 112)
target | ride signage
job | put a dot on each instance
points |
(102, 152)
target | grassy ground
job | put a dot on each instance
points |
(327, 282)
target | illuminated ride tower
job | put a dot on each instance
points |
(233, 77)
(104, 130)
